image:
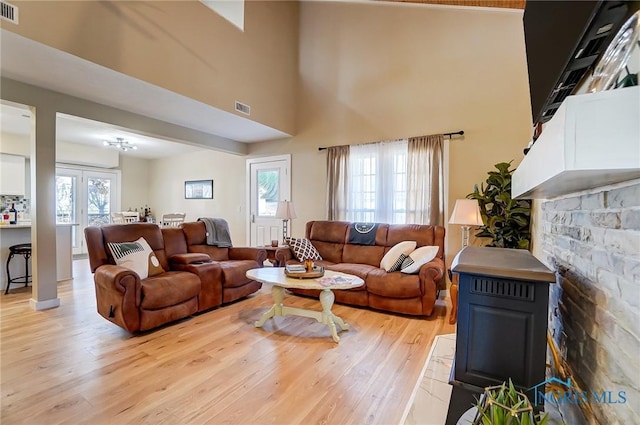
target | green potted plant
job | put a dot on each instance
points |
(506, 220)
(504, 405)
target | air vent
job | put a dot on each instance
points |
(8, 12)
(503, 288)
(241, 107)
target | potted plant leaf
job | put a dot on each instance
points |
(506, 220)
(504, 405)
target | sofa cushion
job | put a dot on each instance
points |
(136, 256)
(418, 258)
(234, 272)
(167, 289)
(393, 285)
(360, 254)
(360, 270)
(303, 249)
(392, 256)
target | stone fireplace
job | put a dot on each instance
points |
(592, 241)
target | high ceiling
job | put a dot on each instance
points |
(507, 4)
(20, 58)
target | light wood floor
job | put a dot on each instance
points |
(69, 365)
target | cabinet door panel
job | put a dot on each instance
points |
(12, 174)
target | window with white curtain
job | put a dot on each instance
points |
(377, 185)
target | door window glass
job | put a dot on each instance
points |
(98, 201)
(65, 199)
(268, 190)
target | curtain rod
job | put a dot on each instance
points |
(460, 133)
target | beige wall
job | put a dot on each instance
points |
(15, 144)
(376, 71)
(166, 188)
(182, 46)
(134, 186)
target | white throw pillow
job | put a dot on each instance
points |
(137, 256)
(397, 251)
(418, 258)
(303, 249)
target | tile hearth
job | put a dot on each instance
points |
(429, 402)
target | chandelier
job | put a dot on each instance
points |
(121, 144)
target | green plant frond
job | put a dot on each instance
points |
(506, 220)
(521, 210)
(542, 419)
(503, 167)
(504, 197)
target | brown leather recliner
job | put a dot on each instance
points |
(128, 301)
(234, 262)
(413, 294)
(191, 282)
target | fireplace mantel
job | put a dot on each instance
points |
(593, 140)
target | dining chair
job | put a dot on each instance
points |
(173, 219)
(131, 216)
(117, 218)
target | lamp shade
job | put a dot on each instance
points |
(466, 212)
(286, 210)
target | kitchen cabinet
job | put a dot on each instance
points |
(12, 174)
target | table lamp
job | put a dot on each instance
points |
(286, 211)
(467, 213)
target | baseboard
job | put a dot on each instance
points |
(44, 305)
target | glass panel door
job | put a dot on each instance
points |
(269, 182)
(86, 198)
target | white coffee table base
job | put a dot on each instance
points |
(325, 316)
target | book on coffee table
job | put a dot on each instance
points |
(333, 280)
(295, 268)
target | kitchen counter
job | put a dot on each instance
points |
(28, 225)
(13, 234)
(15, 226)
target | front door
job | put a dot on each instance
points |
(269, 182)
(87, 198)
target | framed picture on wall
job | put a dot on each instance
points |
(198, 189)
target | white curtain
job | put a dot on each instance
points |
(377, 182)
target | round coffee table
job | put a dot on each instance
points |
(331, 280)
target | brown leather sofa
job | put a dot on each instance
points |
(413, 294)
(196, 278)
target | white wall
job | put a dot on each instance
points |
(166, 188)
(91, 156)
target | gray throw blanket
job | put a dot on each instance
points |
(363, 233)
(217, 232)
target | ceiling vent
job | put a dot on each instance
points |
(8, 12)
(241, 107)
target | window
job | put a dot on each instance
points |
(377, 185)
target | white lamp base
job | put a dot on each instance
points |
(465, 235)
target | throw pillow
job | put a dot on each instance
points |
(303, 249)
(137, 256)
(398, 264)
(418, 258)
(393, 255)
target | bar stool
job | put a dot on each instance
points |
(23, 249)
